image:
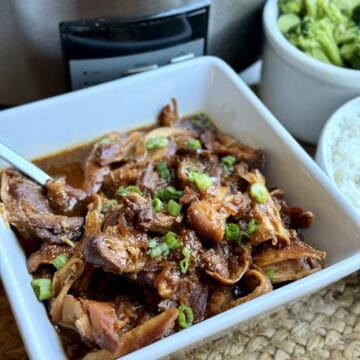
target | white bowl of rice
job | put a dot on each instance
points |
(338, 152)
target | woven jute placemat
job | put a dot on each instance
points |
(325, 325)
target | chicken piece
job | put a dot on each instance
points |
(62, 281)
(142, 335)
(270, 224)
(224, 145)
(28, 210)
(254, 283)
(167, 282)
(150, 180)
(208, 219)
(62, 197)
(96, 322)
(168, 116)
(74, 316)
(94, 176)
(46, 254)
(193, 291)
(117, 247)
(116, 147)
(295, 249)
(105, 325)
(115, 252)
(126, 174)
(227, 265)
(291, 270)
(293, 217)
(138, 211)
(203, 161)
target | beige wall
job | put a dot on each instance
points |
(30, 56)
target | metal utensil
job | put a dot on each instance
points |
(25, 166)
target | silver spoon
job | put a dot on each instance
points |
(25, 166)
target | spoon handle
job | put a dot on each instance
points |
(23, 165)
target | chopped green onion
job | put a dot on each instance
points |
(201, 120)
(171, 241)
(152, 243)
(184, 263)
(173, 208)
(193, 144)
(252, 227)
(232, 232)
(169, 193)
(60, 261)
(201, 180)
(228, 160)
(258, 192)
(123, 191)
(163, 170)
(228, 163)
(156, 143)
(185, 317)
(157, 205)
(161, 249)
(270, 274)
(42, 288)
(107, 204)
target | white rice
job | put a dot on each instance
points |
(345, 157)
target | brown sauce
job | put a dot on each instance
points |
(68, 163)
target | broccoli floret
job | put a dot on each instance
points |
(290, 6)
(318, 54)
(310, 8)
(288, 21)
(351, 54)
(355, 16)
(320, 28)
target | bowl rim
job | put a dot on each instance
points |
(323, 148)
(324, 72)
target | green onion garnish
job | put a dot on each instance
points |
(201, 120)
(201, 180)
(152, 243)
(42, 288)
(107, 204)
(258, 192)
(270, 274)
(161, 249)
(169, 193)
(232, 232)
(163, 170)
(123, 191)
(252, 227)
(171, 241)
(156, 143)
(185, 317)
(184, 263)
(228, 163)
(173, 208)
(193, 144)
(60, 261)
(157, 205)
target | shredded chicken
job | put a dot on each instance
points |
(164, 231)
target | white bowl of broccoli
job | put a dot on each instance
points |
(311, 61)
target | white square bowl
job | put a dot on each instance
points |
(204, 84)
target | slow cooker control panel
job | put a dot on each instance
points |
(96, 51)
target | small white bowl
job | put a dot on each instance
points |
(324, 150)
(300, 91)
